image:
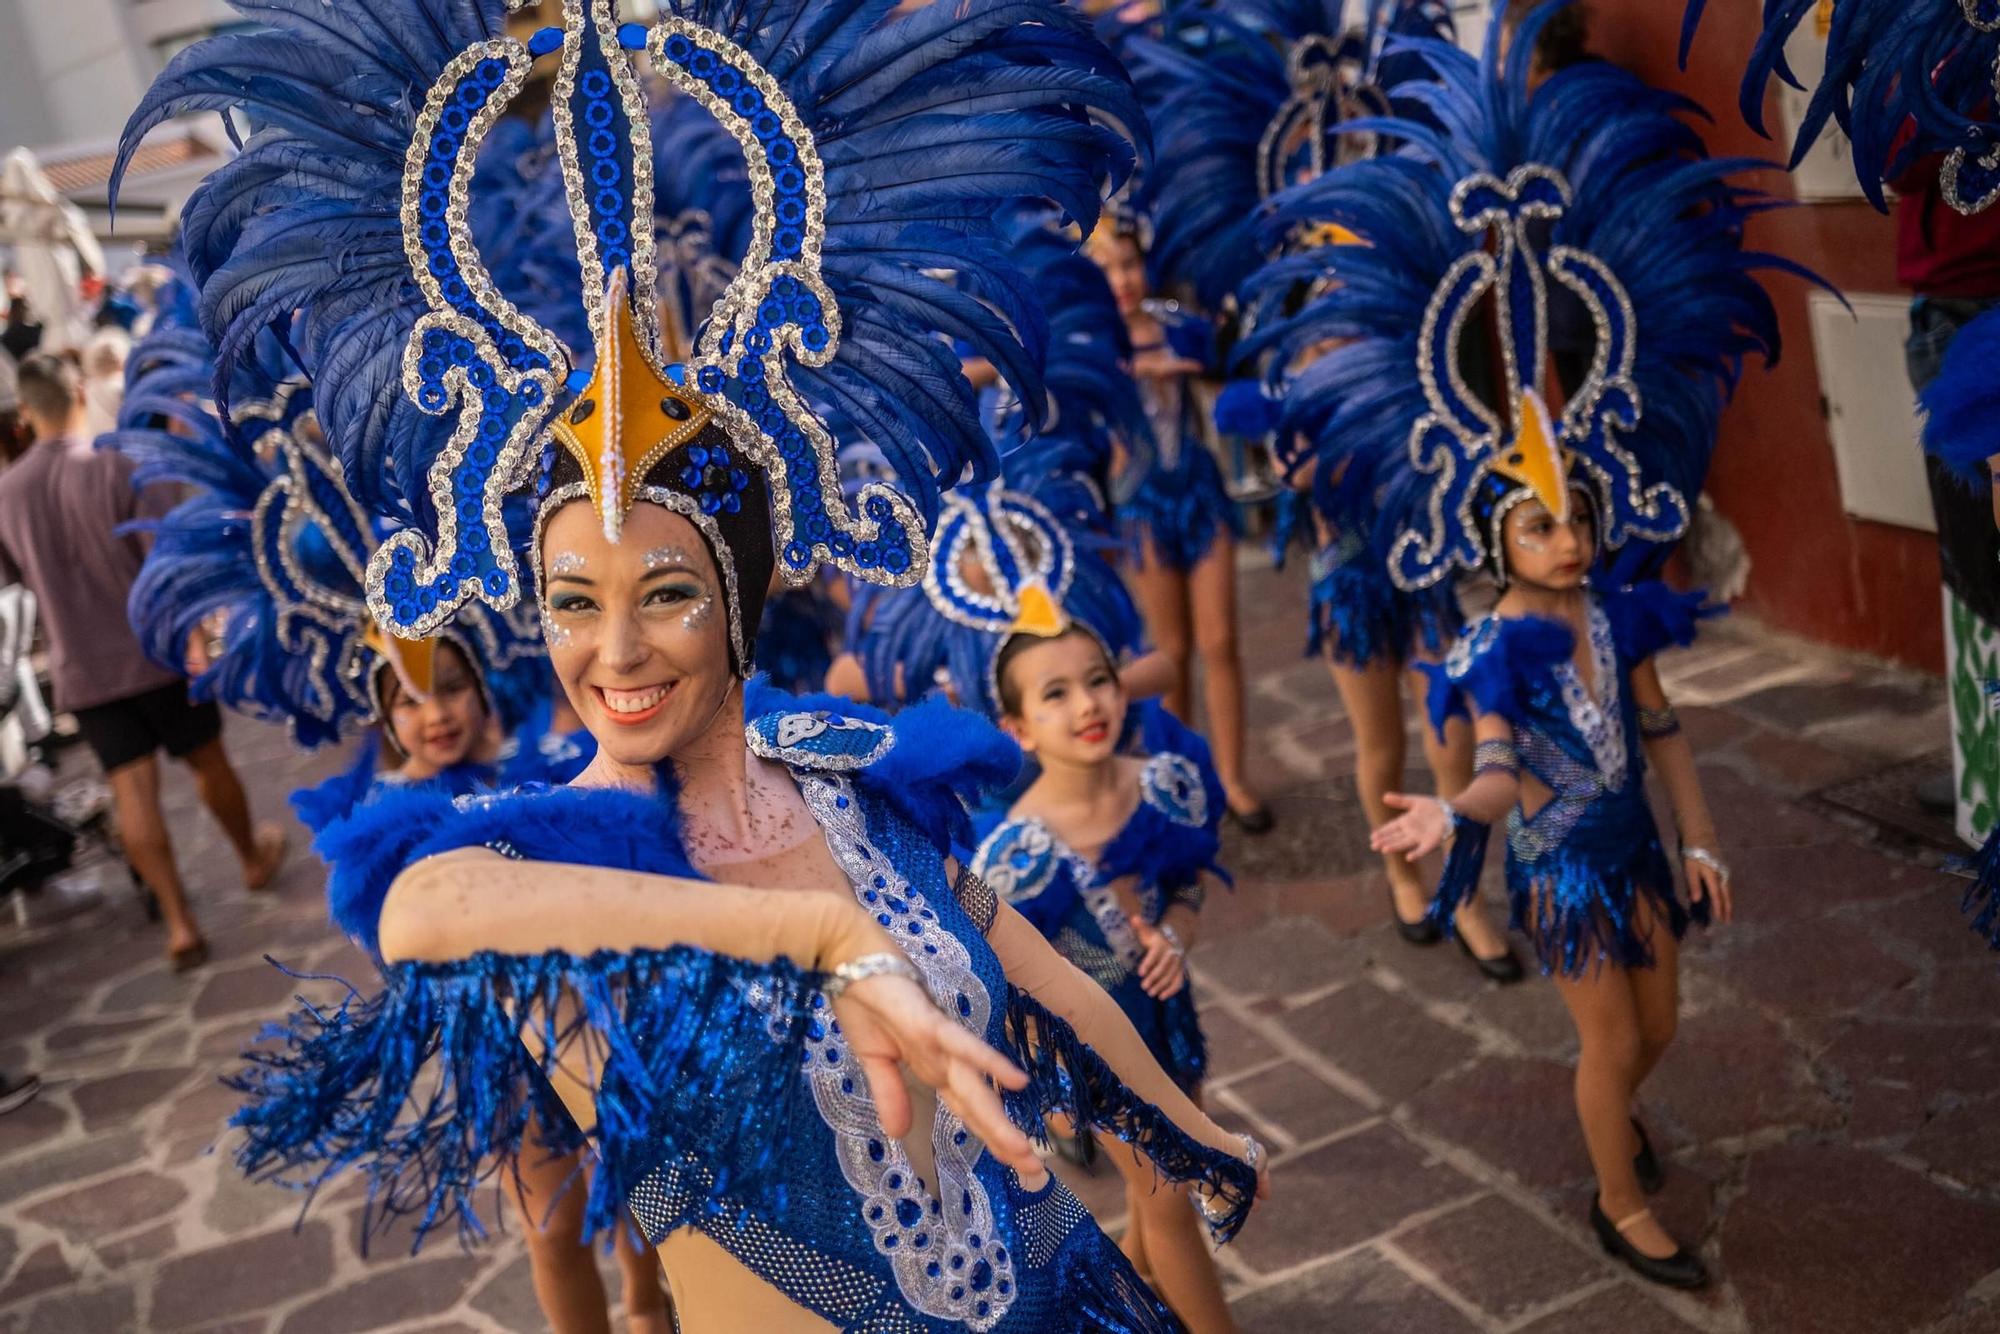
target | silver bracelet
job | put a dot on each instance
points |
(1215, 1209)
(865, 966)
(1708, 859)
(1174, 939)
(1452, 819)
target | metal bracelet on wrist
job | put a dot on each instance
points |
(864, 966)
(1214, 1207)
(1452, 819)
(1174, 939)
(1708, 859)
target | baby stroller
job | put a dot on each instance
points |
(41, 827)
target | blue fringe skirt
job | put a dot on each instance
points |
(1578, 902)
(1179, 511)
(1358, 616)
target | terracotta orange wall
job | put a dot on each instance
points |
(1845, 581)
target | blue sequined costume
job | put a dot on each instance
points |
(730, 1102)
(1359, 617)
(1578, 867)
(1176, 505)
(1163, 852)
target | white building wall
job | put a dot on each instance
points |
(72, 70)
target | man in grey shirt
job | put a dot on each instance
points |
(61, 505)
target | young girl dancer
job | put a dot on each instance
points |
(1178, 515)
(1566, 699)
(1110, 853)
(1620, 217)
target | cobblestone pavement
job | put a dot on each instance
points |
(1827, 1112)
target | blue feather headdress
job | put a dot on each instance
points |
(1247, 99)
(1904, 78)
(1028, 555)
(1588, 220)
(878, 149)
(268, 550)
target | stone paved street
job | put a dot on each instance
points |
(1828, 1112)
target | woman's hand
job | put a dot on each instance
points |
(1163, 965)
(1708, 879)
(1423, 826)
(890, 1021)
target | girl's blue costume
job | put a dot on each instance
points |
(1163, 852)
(1175, 504)
(729, 1101)
(1579, 869)
(1584, 209)
(1248, 100)
(880, 150)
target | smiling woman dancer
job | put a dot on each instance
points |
(729, 1048)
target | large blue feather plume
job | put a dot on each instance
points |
(927, 124)
(1904, 79)
(1644, 198)
(1246, 98)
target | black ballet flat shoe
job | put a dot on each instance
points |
(1652, 1176)
(1423, 931)
(1682, 1269)
(1504, 968)
(1256, 821)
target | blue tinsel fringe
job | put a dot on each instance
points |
(1982, 898)
(1067, 1077)
(427, 1087)
(1179, 515)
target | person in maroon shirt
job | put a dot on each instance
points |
(61, 506)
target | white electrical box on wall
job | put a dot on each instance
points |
(1470, 18)
(1826, 172)
(1871, 410)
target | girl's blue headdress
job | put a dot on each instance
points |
(877, 151)
(1028, 555)
(1581, 224)
(1247, 99)
(1904, 78)
(269, 550)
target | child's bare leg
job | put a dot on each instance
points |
(1605, 1011)
(1176, 1256)
(1372, 697)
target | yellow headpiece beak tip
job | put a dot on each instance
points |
(1036, 614)
(1535, 460)
(414, 661)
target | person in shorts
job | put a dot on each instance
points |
(61, 507)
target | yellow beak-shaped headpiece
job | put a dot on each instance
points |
(1036, 613)
(413, 660)
(629, 416)
(1534, 457)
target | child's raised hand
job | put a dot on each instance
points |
(1163, 966)
(1422, 826)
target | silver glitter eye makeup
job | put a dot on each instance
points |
(661, 558)
(556, 635)
(566, 562)
(699, 614)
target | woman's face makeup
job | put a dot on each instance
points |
(633, 628)
(439, 730)
(1545, 551)
(1071, 703)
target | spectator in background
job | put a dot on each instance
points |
(61, 506)
(104, 378)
